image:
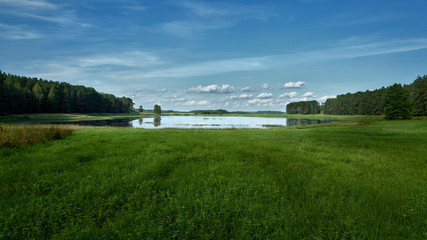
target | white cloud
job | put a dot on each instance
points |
(260, 101)
(298, 99)
(214, 88)
(308, 94)
(241, 96)
(245, 89)
(42, 10)
(265, 95)
(33, 4)
(17, 32)
(289, 94)
(192, 102)
(151, 91)
(324, 98)
(298, 84)
(245, 96)
(265, 86)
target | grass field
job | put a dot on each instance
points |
(355, 181)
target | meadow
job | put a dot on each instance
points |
(354, 180)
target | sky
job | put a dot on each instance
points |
(235, 55)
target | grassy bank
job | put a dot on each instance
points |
(337, 182)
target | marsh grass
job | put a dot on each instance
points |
(333, 182)
(12, 135)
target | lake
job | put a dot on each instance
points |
(202, 122)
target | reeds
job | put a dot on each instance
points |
(12, 135)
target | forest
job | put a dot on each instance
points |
(20, 95)
(374, 102)
(303, 107)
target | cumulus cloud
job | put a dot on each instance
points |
(308, 94)
(298, 84)
(289, 94)
(324, 98)
(265, 95)
(214, 88)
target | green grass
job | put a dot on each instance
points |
(360, 181)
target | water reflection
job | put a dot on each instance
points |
(219, 122)
(295, 122)
(157, 121)
(200, 122)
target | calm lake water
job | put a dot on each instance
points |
(202, 122)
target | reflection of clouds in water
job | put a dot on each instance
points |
(218, 122)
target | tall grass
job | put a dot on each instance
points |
(332, 182)
(12, 135)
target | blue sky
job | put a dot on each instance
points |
(235, 55)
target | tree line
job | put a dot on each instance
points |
(376, 103)
(20, 94)
(303, 107)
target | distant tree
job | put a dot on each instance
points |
(396, 103)
(418, 96)
(141, 109)
(157, 109)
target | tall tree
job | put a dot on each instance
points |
(396, 103)
(141, 109)
(418, 96)
(157, 109)
(53, 100)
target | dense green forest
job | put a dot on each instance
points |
(31, 95)
(303, 107)
(373, 102)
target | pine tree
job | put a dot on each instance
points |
(419, 96)
(52, 99)
(396, 103)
